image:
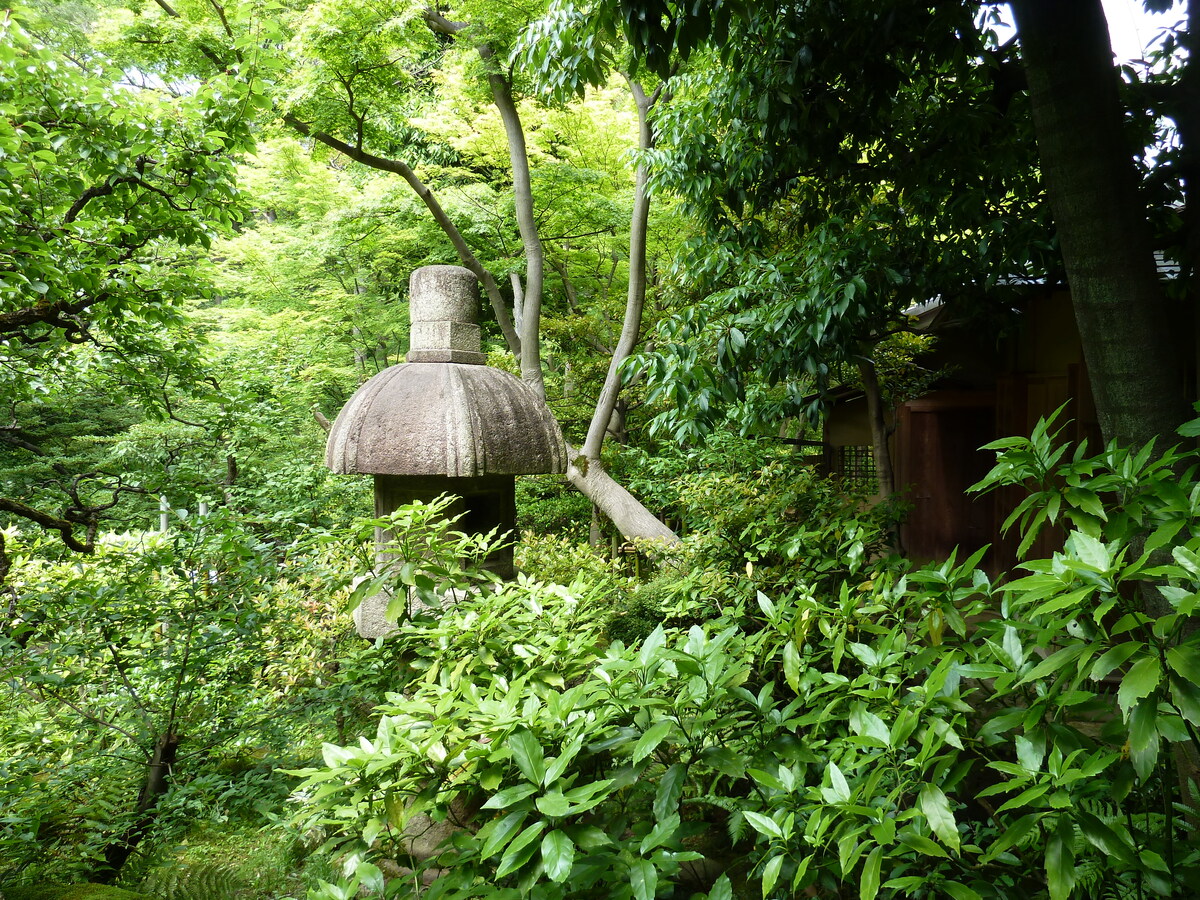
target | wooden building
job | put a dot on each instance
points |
(988, 387)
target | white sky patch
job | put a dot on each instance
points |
(1133, 30)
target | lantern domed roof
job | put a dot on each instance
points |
(444, 412)
(445, 419)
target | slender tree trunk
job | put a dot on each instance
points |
(1130, 337)
(586, 472)
(156, 783)
(635, 300)
(879, 433)
(535, 258)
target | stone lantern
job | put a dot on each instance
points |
(445, 423)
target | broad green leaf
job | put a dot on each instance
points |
(643, 878)
(1140, 681)
(509, 796)
(1054, 662)
(1113, 658)
(1185, 659)
(553, 803)
(1103, 838)
(1090, 551)
(1060, 865)
(653, 736)
(722, 889)
(1189, 559)
(649, 651)
(497, 832)
(960, 891)
(764, 825)
(839, 789)
(520, 850)
(660, 834)
(868, 887)
(1186, 697)
(558, 855)
(936, 808)
(527, 753)
(670, 789)
(920, 843)
(771, 875)
(791, 666)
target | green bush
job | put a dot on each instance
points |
(869, 731)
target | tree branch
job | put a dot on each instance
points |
(398, 167)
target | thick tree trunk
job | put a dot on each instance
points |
(1130, 337)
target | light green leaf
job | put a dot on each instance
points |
(527, 753)
(1113, 658)
(722, 889)
(509, 796)
(653, 736)
(643, 878)
(936, 808)
(1140, 681)
(553, 803)
(791, 666)
(558, 855)
(920, 843)
(1090, 551)
(1185, 659)
(764, 825)
(868, 887)
(839, 789)
(771, 874)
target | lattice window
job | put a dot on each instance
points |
(855, 465)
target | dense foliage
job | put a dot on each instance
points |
(208, 216)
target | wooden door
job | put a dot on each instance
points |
(939, 438)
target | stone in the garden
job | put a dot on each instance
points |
(445, 423)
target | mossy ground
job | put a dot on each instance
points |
(71, 892)
(232, 861)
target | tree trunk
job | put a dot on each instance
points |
(157, 782)
(879, 434)
(586, 472)
(627, 513)
(535, 259)
(635, 300)
(465, 256)
(1130, 337)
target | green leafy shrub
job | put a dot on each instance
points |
(866, 730)
(205, 639)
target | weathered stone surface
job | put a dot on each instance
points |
(443, 294)
(440, 355)
(445, 419)
(443, 334)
